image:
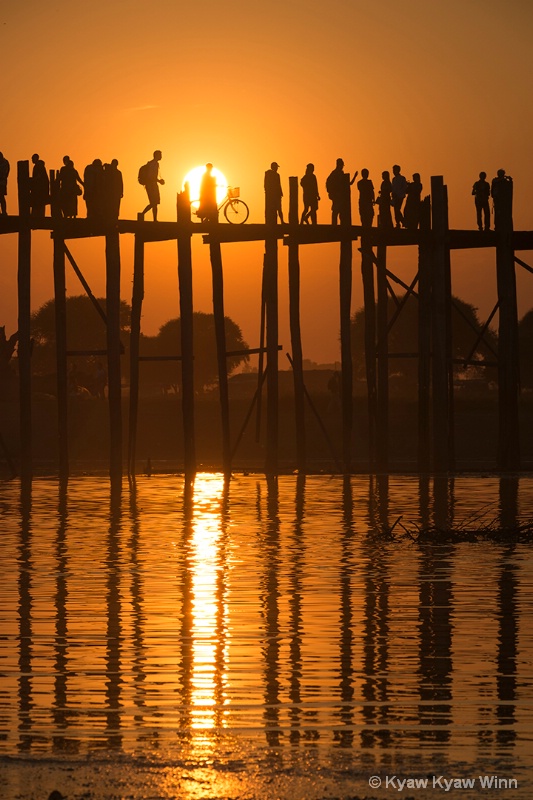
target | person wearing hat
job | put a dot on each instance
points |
(273, 195)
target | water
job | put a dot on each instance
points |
(263, 640)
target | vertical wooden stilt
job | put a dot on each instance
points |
(112, 251)
(345, 287)
(60, 297)
(424, 338)
(136, 309)
(271, 309)
(24, 316)
(296, 337)
(60, 304)
(186, 313)
(367, 271)
(220, 334)
(382, 404)
(508, 354)
(440, 327)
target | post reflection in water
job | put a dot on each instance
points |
(293, 613)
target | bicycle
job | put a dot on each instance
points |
(235, 210)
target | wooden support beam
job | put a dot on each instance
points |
(271, 316)
(424, 340)
(24, 317)
(382, 402)
(60, 303)
(369, 299)
(220, 336)
(345, 292)
(135, 335)
(112, 253)
(296, 336)
(508, 353)
(440, 327)
(186, 312)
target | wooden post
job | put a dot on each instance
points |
(60, 303)
(186, 313)
(424, 338)
(271, 308)
(367, 271)
(440, 327)
(136, 309)
(296, 337)
(345, 287)
(382, 403)
(24, 316)
(112, 252)
(220, 334)
(508, 355)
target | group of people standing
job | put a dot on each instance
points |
(102, 188)
(501, 191)
(396, 195)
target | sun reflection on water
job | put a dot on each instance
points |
(208, 615)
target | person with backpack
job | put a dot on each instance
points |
(149, 178)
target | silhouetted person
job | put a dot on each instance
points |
(338, 188)
(152, 182)
(481, 192)
(93, 182)
(273, 195)
(384, 201)
(208, 208)
(399, 190)
(367, 199)
(413, 202)
(502, 196)
(311, 197)
(70, 185)
(113, 190)
(4, 172)
(39, 188)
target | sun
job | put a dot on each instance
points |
(194, 179)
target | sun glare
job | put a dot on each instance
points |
(194, 179)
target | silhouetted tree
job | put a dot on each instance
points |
(403, 338)
(168, 343)
(86, 330)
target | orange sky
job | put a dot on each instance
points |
(440, 88)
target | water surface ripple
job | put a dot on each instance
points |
(269, 639)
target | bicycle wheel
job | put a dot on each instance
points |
(236, 211)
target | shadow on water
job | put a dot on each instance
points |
(282, 606)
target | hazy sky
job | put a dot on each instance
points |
(440, 87)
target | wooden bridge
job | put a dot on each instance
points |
(431, 284)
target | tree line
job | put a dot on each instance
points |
(86, 331)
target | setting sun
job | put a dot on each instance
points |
(194, 179)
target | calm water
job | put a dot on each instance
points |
(263, 640)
